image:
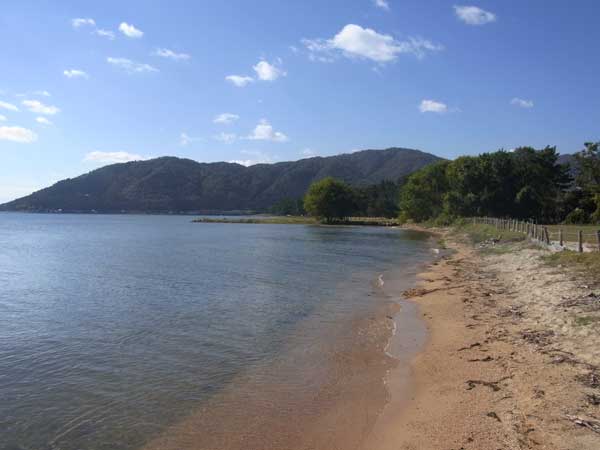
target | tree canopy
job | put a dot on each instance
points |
(329, 199)
(524, 183)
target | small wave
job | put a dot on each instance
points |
(436, 251)
(380, 281)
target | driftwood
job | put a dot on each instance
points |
(591, 424)
(420, 292)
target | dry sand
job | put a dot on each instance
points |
(508, 363)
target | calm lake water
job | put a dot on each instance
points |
(115, 328)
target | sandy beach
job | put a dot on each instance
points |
(507, 365)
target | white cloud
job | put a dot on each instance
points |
(112, 157)
(81, 22)
(166, 53)
(8, 106)
(522, 102)
(265, 132)
(256, 158)
(383, 4)
(43, 121)
(130, 31)
(42, 93)
(75, 73)
(433, 106)
(226, 118)
(2, 118)
(473, 15)
(39, 108)
(239, 80)
(268, 72)
(131, 66)
(227, 138)
(308, 152)
(105, 33)
(354, 41)
(17, 134)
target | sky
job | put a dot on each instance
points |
(86, 83)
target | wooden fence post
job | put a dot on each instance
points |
(560, 237)
(580, 239)
(598, 239)
(547, 235)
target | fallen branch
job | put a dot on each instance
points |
(591, 424)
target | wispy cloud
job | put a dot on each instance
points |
(265, 132)
(131, 66)
(43, 121)
(2, 118)
(382, 4)
(42, 93)
(473, 15)
(75, 73)
(226, 118)
(39, 108)
(83, 22)
(185, 139)
(170, 54)
(433, 106)
(104, 33)
(354, 41)
(112, 157)
(239, 80)
(130, 30)
(9, 106)
(308, 152)
(266, 71)
(17, 134)
(522, 103)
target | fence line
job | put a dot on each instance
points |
(540, 233)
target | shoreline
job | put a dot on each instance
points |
(506, 364)
(338, 412)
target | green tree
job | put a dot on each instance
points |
(421, 198)
(330, 199)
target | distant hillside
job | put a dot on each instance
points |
(170, 184)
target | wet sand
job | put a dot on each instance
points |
(330, 405)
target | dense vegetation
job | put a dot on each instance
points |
(170, 184)
(525, 184)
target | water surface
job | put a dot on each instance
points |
(115, 328)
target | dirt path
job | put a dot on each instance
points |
(511, 362)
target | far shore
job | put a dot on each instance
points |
(301, 220)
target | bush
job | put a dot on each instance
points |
(577, 217)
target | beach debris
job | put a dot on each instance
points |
(493, 415)
(493, 385)
(420, 292)
(538, 337)
(590, 379)
(593, 399)
(591, 424)
(476, 344)
(486, 359)
(588, 303)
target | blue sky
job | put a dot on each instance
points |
(86, 83)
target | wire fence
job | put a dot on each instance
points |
(571, 237)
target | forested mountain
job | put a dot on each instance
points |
(170, 184)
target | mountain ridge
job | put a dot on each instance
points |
(172, 184)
